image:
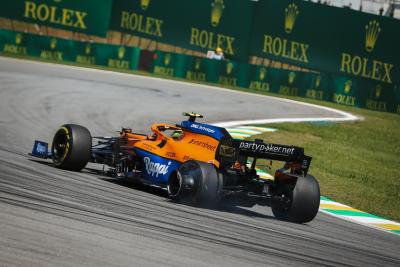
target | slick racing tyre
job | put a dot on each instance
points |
(195, 182)
(71, 148)
(297, 204)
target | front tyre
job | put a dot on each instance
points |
(297, 203)
(71, 148)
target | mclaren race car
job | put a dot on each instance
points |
(196, 163)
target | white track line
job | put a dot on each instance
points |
(345, 115)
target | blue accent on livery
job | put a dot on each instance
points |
(206, 129)
(40, 149)
(156, 169)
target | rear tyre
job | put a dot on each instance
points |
(71, 148)
(298, 203)
(195, 182)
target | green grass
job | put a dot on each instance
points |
(356, 163)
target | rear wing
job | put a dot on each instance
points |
(259, 149)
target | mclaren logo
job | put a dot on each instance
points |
(144, 4)
(217, 8)
(372, 31)
(291, 13)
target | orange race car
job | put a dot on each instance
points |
(196, 163)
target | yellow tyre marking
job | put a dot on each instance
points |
(67, 146)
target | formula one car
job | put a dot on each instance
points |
(196, 163)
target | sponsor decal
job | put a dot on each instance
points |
(291, 13)
(142, 23)
(267, 148)
(343, 98)
(368, 67)
(41, 149)
(377, 103)
(202, 128)
(148, 146)
(52, 54)
(187, 157)
(87, 58)
(205, 145)
(217, 8)
(55, 15)
(154, 168)
(372, 31)
(170, 154)
(211, 40)
(16, 48)
(287, 48)
(144, 4)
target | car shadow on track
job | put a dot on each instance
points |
(224, 206)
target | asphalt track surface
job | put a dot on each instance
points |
(51, 217)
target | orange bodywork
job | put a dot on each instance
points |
(189, 145)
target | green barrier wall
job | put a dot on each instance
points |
(88, 16)
(198, 25)
(320, 37)
(330, 39)
(345, 90)
(56, 49)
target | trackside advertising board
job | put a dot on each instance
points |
(336, 40)
(57, 49)
(342, 89)
(87, 16)
(198, 25)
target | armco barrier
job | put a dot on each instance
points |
(344, 90)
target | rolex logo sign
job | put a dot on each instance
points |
(144, 4)
(262, 74)
(317, 81)
(292, 76)
(229, 68)
(88, 49)
(53, 43)
(347, 86)
(197, 64)
(18, 39)
(121, 52)
(217, 8)
(378, 91)
(167, 59)
(291, 13)
(372, 31)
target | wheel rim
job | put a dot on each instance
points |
(61, 145)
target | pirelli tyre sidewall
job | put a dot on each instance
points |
(304, 201)
(71, 147)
